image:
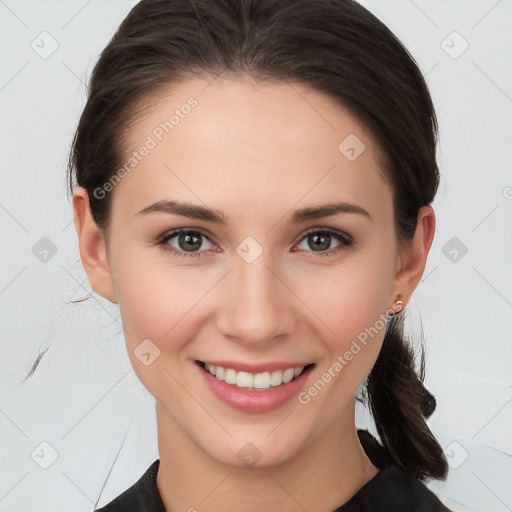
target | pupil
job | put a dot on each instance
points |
(189, 239)
(317, 239)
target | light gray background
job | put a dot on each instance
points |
(85, 401)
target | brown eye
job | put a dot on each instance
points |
(186, 242)
(320, 242)
(189, 242)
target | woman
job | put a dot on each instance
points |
(254, 181)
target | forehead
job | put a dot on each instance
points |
(245, 143)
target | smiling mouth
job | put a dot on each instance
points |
(254, 381)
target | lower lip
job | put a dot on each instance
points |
(254, 401)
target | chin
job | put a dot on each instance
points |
(256, 451)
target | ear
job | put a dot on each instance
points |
(413, 257)
(91, 242)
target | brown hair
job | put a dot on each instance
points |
(335, 46)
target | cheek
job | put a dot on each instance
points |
(358, 325)
(350, 303)
(347, 298)
(161, 303)
(154, 296)
(154, 302)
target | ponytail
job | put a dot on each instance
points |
(400, 404)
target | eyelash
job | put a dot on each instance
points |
(344, 239)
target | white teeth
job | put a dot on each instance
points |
(276, 378)
(288, 375)
(244, 380)
(230, 376)
(259, 381)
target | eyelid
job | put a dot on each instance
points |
(320, 229)
(174, 232)
(169, 235)
(344, 238)
(345, 242)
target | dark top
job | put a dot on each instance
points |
(390, 490)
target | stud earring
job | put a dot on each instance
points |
(398, 305)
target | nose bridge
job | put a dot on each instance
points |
(258, 306)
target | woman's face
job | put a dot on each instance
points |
(266, 288)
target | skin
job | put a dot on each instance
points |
(256, 152)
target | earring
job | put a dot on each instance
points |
(398, 305)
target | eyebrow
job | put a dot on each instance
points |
(193, 211)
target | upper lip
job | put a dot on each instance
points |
(240, 366)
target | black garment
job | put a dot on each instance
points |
(390, 490)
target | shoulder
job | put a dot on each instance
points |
(142, 496)
(391, 488)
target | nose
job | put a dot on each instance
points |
(258, 306)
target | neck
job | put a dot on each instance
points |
(320, 478)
